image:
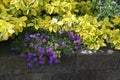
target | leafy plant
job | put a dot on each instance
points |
(106, 8)
(63, 15)
(6, 30)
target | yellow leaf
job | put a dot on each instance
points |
(6, 30)
(6, 1)
(50, 29)
(18, 27)
(106, 22)
(60, 23)
(94, 46)
(116, 20)
(6, 35)
(95, 22)
(24, 18)
(33, 12)
(77, 29)
(11, 31)
(36, 27)
(117, 46)
(35, 5)
(55, 29)
(30, 24)
(21, 5)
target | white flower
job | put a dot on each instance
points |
(54, 20)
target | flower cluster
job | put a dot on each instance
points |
(47, 47)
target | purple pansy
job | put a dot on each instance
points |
(56, 61)
(22, 55)
(41, 61)
(54, 56)
(63, 44)
(38, 40)
(35, 59)
(76, 47)
(32, 36)
(44, 40)
(25, 45)
(40, 49)
(12, 49)
(70, 34)
(56, 44)
(50, 51)
(31, 44)
(30, 65)
(27, 38)
(50, 62)
(77, 41)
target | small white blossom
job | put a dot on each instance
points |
(54, 20)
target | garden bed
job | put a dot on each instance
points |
(59, 40)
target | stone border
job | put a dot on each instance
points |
(79, 67)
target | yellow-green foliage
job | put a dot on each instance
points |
(115, 33)
(95, 33)
(6, 30)
(10, 15)
(38, 13)
(57, 15)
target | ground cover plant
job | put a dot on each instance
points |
(45, 47)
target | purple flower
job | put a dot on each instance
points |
(40, 49)
(56, 61)
(74, 37)
(32, 36)
(41, 61)
(77, 41)
(27, 38)
(35, 59)
(38, 40)
(30, 55)
(63, 44)
(44, 40)
(41, 55)
(34, 54)
(28, 60)
(12, 49)
(42, 36)
(25, 45)
(31, 44)
(76, 47)
(78, 37)
(56, 44)
(29, 65)
(51, 58)
(70, 34)
(54, 56)
(50, 51)
(22, 55)
(50, 62)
